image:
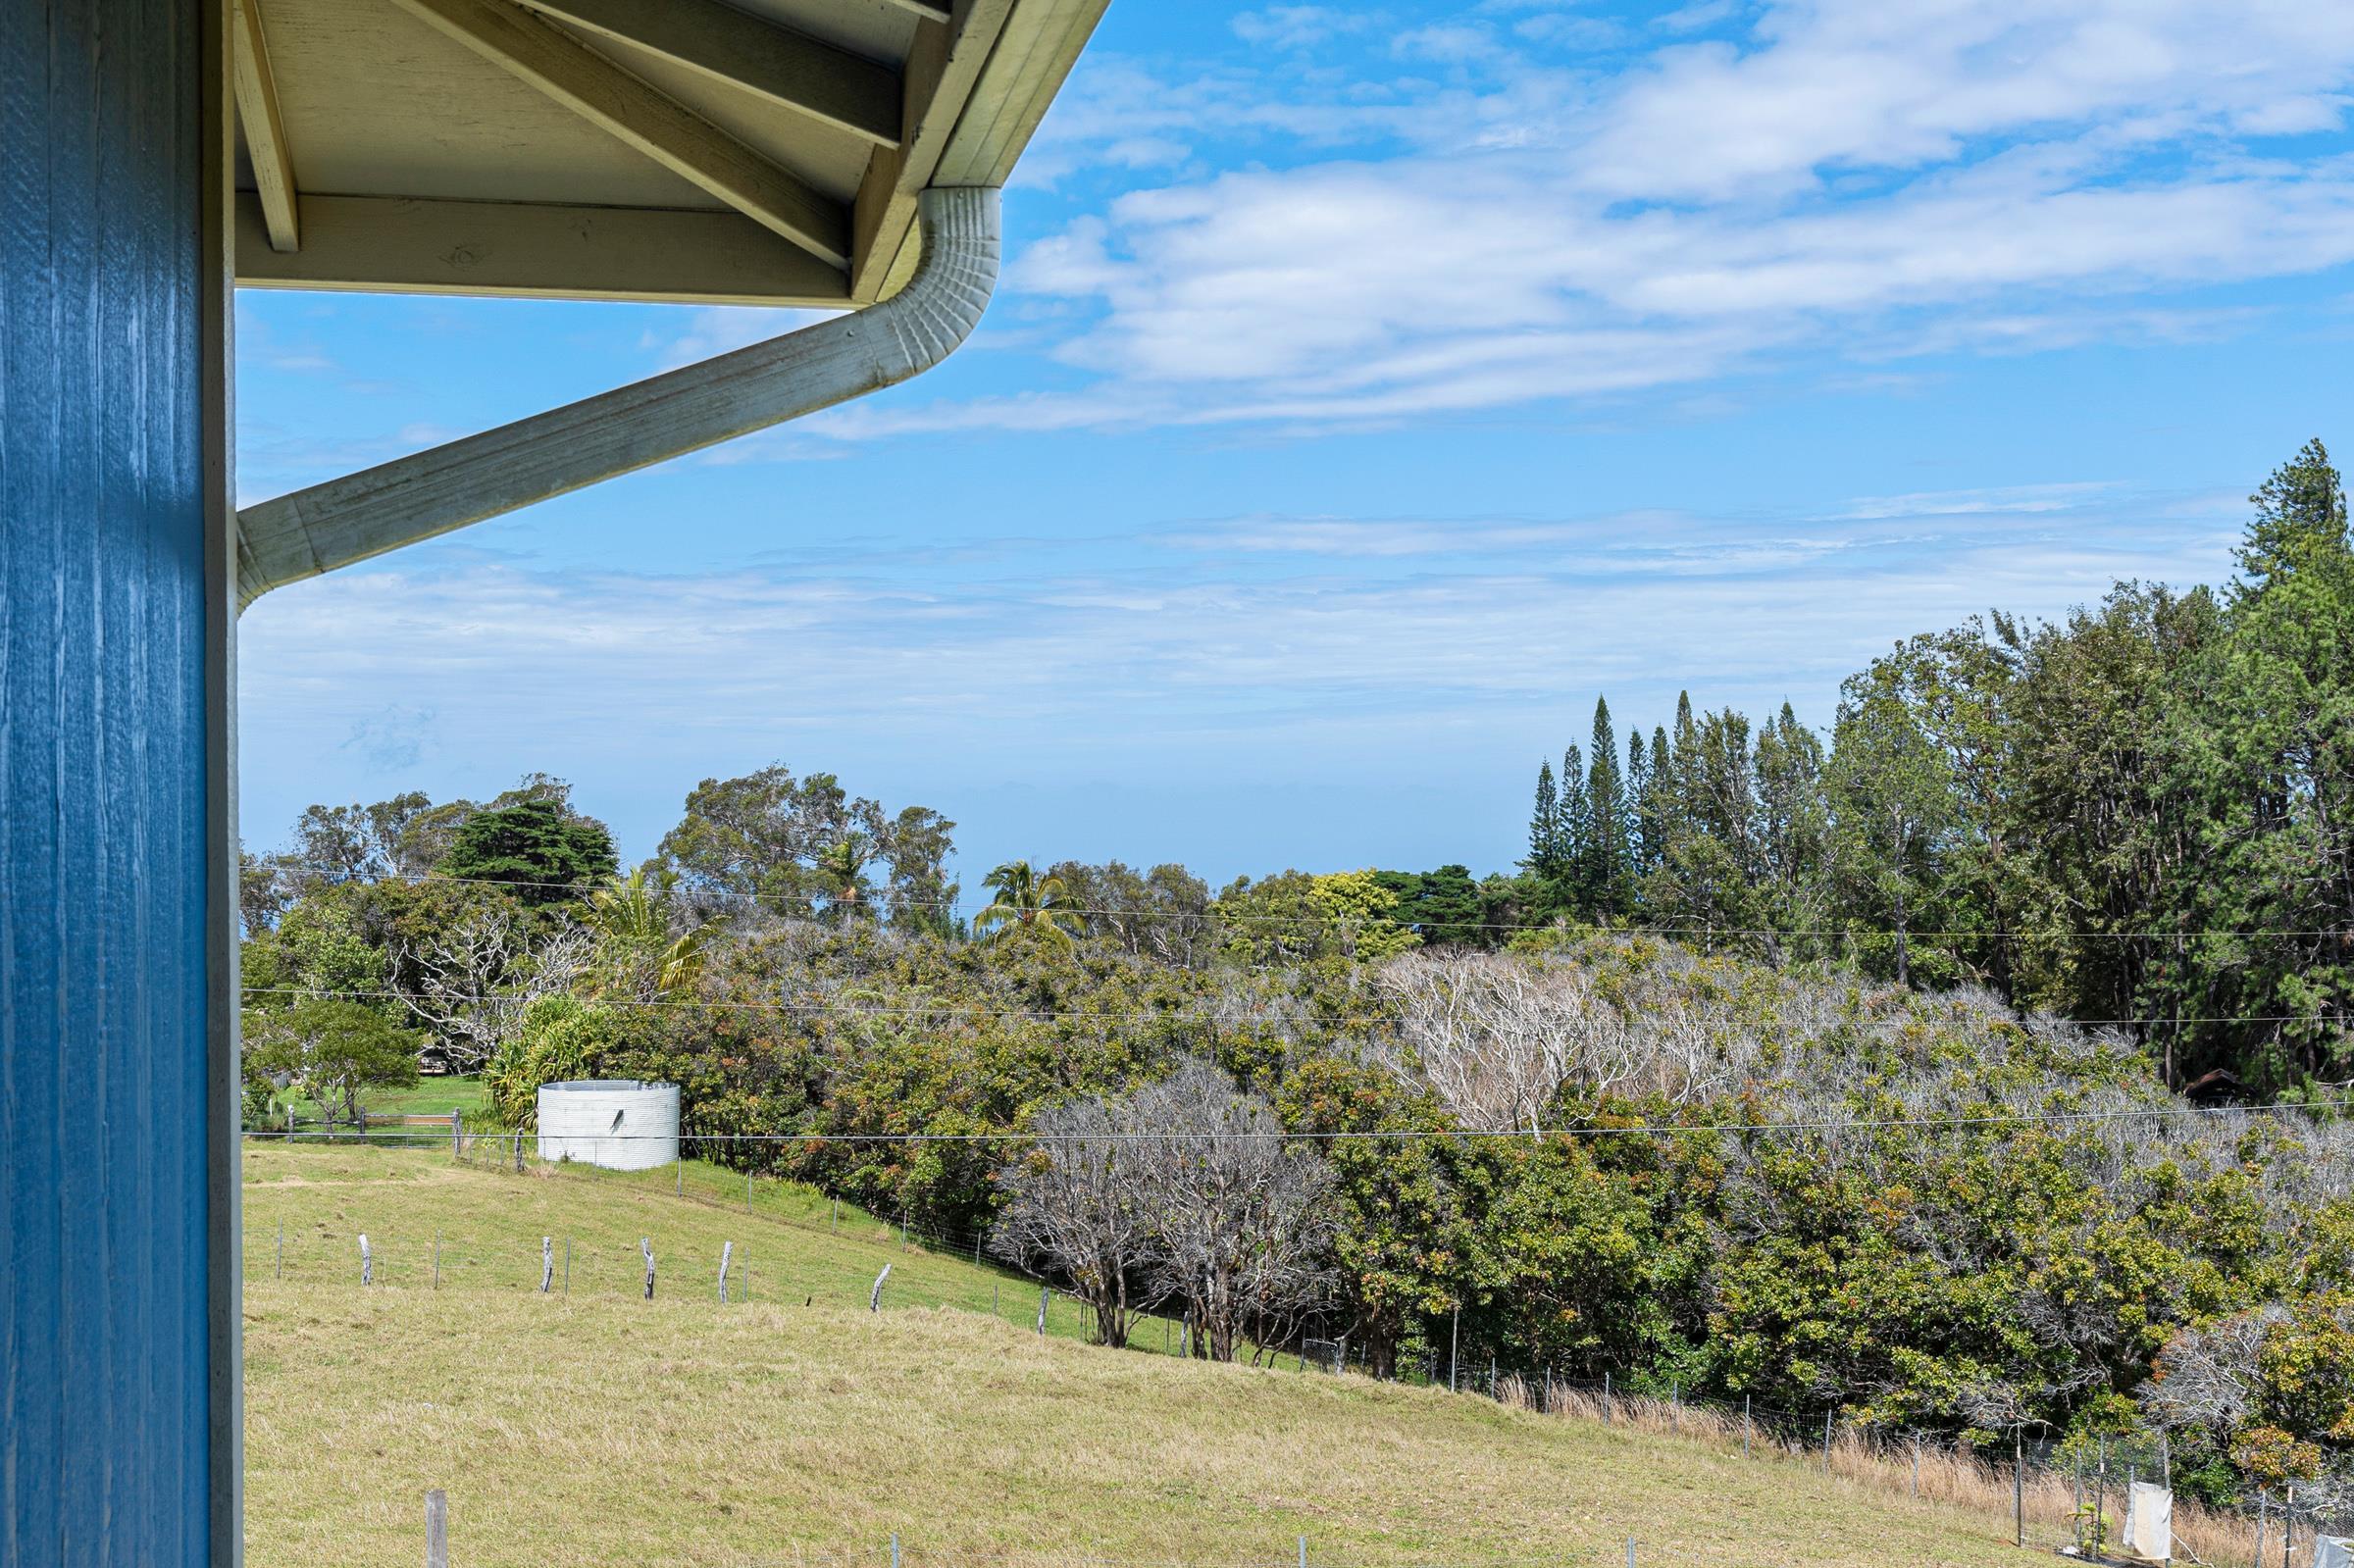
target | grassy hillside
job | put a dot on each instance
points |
(600, 1429)
(486, 1221)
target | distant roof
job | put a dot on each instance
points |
(760, 152)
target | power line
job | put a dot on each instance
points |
(1188, 1012)
(1210, 914)
(1406, 1134)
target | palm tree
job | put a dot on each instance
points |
(842, 866)
(630, 912)
(1028, 901)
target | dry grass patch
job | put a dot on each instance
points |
(606, 1431)
(598, 1429)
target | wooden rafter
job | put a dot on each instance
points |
(520, 248)
(806, 74)
(636, 112)
(265, 133)
(943, 64)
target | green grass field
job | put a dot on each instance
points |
(306, 1205)
(597, 1428)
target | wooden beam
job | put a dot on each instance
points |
(806, 75)
(928, 10)
(625, 106)
(396, 245)
(265, 131)
(1035, 54)
(943, 64)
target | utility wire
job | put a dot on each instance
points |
(1184, 1013)
(1211, 914)
(1403, 1134)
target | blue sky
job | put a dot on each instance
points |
(1371, 386)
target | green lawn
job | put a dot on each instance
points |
(486, 1221)
(433, 1096)
(590, 1427)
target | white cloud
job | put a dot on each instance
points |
(1859, 84)
(1447, 43)
(1965, 503)
(1298, 27)
(1851, 177)
(1289, 628)
(714, 329)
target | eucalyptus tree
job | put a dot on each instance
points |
(1893, 806)
(768, 843)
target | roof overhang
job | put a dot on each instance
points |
(765, 152)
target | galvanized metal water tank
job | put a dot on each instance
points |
(620, 1124)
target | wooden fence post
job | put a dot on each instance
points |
(437, 1528)
(874, 1301)
(367, 1262)
(727, 1255)
(547, 1262)
(646, 1244)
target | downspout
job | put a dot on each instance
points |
(313, 530)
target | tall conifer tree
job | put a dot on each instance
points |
(1606, 800)
(1577, 830)
(1638, 803)
(1545, 826)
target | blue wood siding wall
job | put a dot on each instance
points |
(103, 1344)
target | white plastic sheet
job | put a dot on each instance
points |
(2150, 1522)
(2333, 1552)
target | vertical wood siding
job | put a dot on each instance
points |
(103, 1344)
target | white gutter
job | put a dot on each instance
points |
(411, 498)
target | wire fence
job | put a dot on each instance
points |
(1657, 1549)
(2148, 1116)
(2067, 1496)
(613, 1265)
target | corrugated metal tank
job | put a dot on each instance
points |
(620, 1124)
